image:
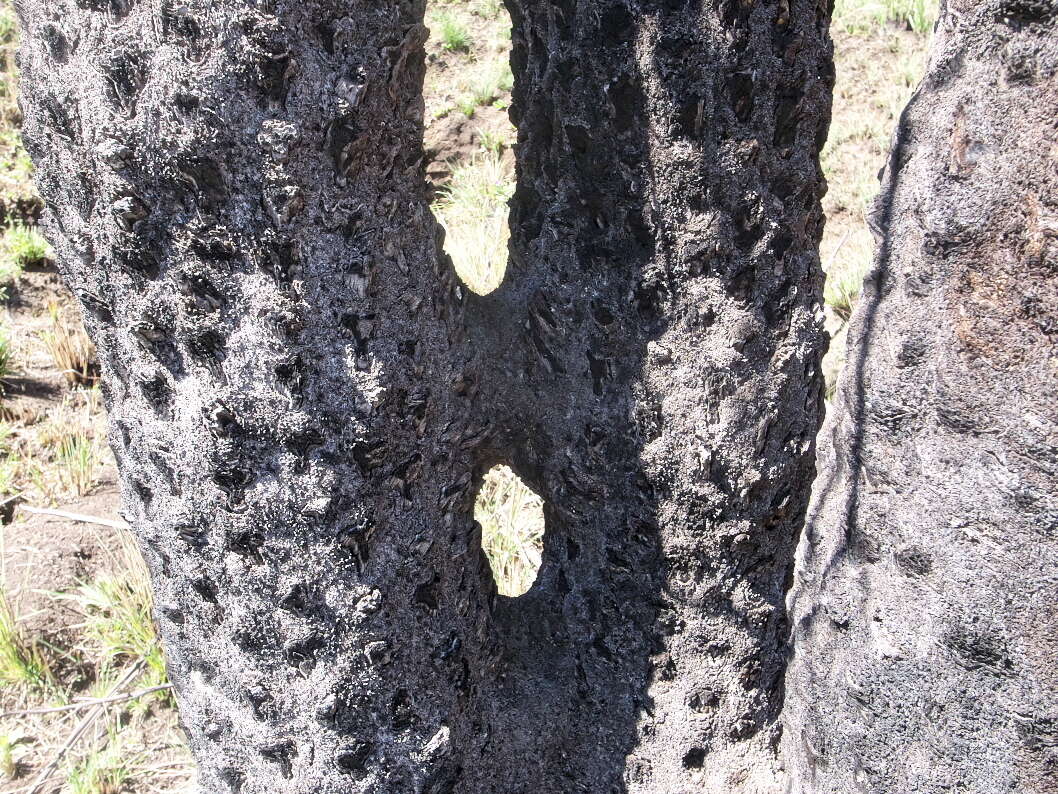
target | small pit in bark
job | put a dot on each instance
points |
(511, 516)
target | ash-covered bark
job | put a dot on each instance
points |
(925, 651)
(234, 193)
(302, 398)
(651, 364)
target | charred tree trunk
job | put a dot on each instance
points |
(302, 397)
(925, 652)
(651, 367)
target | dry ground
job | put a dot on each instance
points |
(74, 607)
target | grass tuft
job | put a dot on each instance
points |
(489, 9)
(493, 84)
(11, 766)
(492, 142)
(467, 105)
(77, 459)
(119, 626)
(22, 662)
(454, 34)
(102, 772)
(22, 246)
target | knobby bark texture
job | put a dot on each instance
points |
(925, 652)
(651, 365)
(303, 398)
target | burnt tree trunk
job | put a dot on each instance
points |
(303, 398)
(925, 650)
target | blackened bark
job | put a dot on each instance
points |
(234, 194)
(925, 655)
(651, 365)
(302, 398)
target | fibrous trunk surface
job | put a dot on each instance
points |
(303, 397)
(925, 652)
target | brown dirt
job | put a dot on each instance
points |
(456, 139)
(45, 554)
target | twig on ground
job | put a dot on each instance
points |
(86, 722)
(83, 704)
(834, 255)
(83, 518)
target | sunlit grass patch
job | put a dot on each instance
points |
(863, 15)
(57, 458)
(473, 210)
(512, 529)
(453, 33)
(492, 84)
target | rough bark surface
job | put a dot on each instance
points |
(925, 652)
(652, 370)
(303, 398)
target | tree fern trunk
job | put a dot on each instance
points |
(233, 192)
(302, 398)
(925, 656)
(651, 365)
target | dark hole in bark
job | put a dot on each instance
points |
(511, 516)
(694, 758)
(353, 758)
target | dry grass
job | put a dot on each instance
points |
(70, 348)
(473, 211)
(512, 529)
